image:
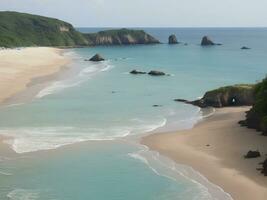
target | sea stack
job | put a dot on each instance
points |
(173, 39)
(206, 41)
(97, 58)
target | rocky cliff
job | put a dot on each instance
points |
(21, 29)
(237, 95)
(120, 37)
(256, 118)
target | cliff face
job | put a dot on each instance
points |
(120, 37)
(20, 29)
(257, 117)
(237, 95)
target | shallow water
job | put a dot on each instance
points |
(102, 101)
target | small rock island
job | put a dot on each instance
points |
(97, 58)
(173, 39)
(206, 41)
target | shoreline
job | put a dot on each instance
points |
(23, 69)
(215, 147)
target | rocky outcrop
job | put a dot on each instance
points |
(252, 154)
(156, 73)
(264, 168)
(245, 48)
(97, 58)
(237, 95)
(256, 117)
(137, 72)
(206, 41)
(22, 30)
(173, 39)
(120, 37)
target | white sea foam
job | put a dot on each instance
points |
(56, 87)
(5, 173)
(107, 68)
(165, 167)
(76, 80)
(30, 139)
(22, 194)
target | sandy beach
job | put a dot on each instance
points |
(18, 67)
(215, 147)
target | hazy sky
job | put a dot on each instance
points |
(147, 13)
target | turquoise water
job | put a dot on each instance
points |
(104, 104)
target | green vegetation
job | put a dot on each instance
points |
(20, 29)
(233, 88)
(120, 36)
(260, 107)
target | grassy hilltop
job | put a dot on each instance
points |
(21, 29)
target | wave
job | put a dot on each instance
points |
(31, 139)
(22, 194)
(85, 74)
(56, 87)
(5, 173)
(162, 166)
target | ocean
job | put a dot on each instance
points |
(78, 137)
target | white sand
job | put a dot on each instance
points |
(19, 66)
(222, 162)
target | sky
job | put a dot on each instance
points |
(147, 13)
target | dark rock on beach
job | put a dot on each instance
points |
(252, 154)
(173, 39)
(264, 168)
(237, 95)
(97, 58)
(137, 72)
(156, 73)
(206, 41)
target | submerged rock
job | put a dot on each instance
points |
(245, 48)
(206, 41)
(137, 72)
(156, 73)
(173, 39)
(97, 58)
(252, 154)
(156, 105)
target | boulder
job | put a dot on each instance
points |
(245, 48)
(173, 39)
(206, 41)
(252, 154)
(97, 58)
(264, 168)
(137, 72)
(156, 73)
